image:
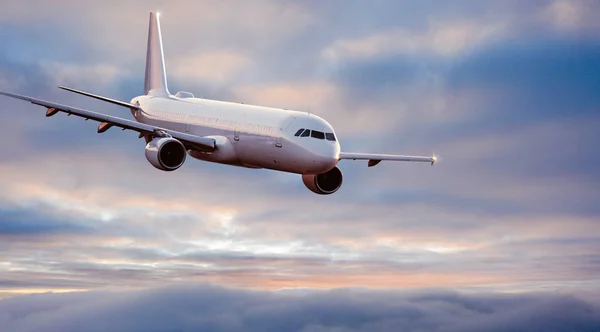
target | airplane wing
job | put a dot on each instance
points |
(109, 100)
(189, 141)
(375, 159)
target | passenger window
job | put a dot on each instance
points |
(317, 134)
(306, 133)
(299, 132)
(330, 136)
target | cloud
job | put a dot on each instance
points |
(134, 233)
(299, 96)
(216, 67)
(73, 75)
(22, 222)
(207, 308)
(568, 16)
(441, 39)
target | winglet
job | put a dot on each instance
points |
(155, 83)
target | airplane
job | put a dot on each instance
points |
(175, 126)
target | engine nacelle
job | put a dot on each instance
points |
(325, 183)
(165, 153)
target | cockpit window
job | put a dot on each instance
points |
(317, 134)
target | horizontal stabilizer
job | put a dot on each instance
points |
(108, 100)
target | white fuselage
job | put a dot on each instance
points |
(248, 136)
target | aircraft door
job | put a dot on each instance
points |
(238, 127)
(284, 126)
(188, 119)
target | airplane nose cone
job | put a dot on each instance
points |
(326, 157)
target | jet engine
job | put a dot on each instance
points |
(324, 183)
(165, 153)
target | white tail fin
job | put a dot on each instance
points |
(155, 83)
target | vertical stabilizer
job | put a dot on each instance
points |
(155, 83)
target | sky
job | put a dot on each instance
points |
(501, 234)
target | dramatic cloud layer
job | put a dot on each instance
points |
(506, 92)
(202, 308)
